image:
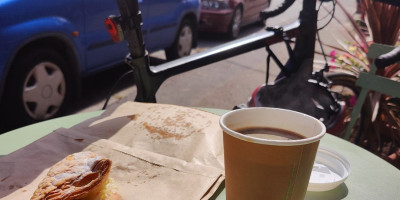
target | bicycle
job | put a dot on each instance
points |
(299, 68)
(321, 101)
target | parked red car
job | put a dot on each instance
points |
(228, 16)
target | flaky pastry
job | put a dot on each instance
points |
(82, 176)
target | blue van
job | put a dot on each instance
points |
(48, 46)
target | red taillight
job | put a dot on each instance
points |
(114, 29)
(253, 98)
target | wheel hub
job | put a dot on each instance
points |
(47, 92)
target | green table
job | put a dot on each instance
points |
(370, 178)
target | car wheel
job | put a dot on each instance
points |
(234, 28)
(183, 41)
(38, 88)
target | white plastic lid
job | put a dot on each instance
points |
(329, 171)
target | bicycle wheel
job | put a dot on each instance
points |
(345, 89)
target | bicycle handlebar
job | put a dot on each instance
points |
(388, 58)
(284, 6)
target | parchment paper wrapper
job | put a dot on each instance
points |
(158, 152)
(180, 132)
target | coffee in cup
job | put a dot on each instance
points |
(270, 133)
(269, 152)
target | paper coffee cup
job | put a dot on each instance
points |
(258, 168)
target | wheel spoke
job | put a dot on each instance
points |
(56, 78)
(40, 72)
(32, 94)
(41, 108)
(57, 99)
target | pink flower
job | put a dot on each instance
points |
(353, 101)
(364, 47)
(333, 53)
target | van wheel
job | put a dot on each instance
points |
(183, 43)
(38, 88)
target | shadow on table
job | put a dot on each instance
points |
(338, 193)
(45, 152)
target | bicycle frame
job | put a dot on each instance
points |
(148, 79)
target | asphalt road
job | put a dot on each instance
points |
(222, 84)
